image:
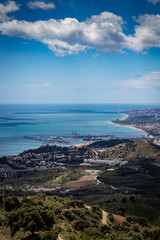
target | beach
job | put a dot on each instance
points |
(125, 117)
(127, 126)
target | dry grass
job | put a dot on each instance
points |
(85, 181)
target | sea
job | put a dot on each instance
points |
(45, 120)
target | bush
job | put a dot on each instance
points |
(136, 236)
(132, 198)
(110, 217)
(124, 200)
(135, 228)
(70, 236)
(93, 232)
(104, 228)
(141, 220)
(80, 225)
(153, 233)
(11, 203)
(49, 235)
(96, 209)
(82, 213)
(31, 219)
(131, 219)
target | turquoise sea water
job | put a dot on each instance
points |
(17, 121)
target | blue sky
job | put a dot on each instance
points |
(78, 51)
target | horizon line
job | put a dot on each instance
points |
(79, 103)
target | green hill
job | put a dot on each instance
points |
(132, 150)
(52, 218)
(108, 143)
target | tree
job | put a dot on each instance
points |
(31, 219)
(12, 203)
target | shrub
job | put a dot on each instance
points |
(96, 209)
(124, 200)
(31, 219)
(110, 217)
(104, 228)
(132, 198)
(141, 220)
(49, 235)
(153, 233)
(11, 203)
(93, 232)
(80, 225)
(135, 228)
(70, 215)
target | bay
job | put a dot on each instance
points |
(45, 120)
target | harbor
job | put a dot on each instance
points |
(67, 139)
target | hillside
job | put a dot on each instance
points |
(142, 149)
(108, 143)
(52, 218)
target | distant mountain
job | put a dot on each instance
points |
(132, 150)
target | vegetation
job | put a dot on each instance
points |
(47, 178)
(123, 205)
(143, 180)
(45, 218)
(48, 148)
(109, 143)
(137, 150)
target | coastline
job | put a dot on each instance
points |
(128, 126)
(125, 117)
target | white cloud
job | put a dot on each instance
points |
(154, 1)
(147, 33)
(35, 85)
(69, 36)
(103, 33)
(41, 5)
(144, 81)
(6, 8)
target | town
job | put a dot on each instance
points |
(147, 120)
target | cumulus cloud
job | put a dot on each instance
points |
(41, 5)
(103, 33)
(144, 81)
(69, 36)
(6, 8)
(147, 33)
(154, 1)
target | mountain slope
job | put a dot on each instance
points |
(132, 150)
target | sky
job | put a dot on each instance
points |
(78, 51)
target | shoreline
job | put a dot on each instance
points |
(126, 116)
(128, 126)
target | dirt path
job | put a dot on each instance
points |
(104, 217)
(59, 238)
